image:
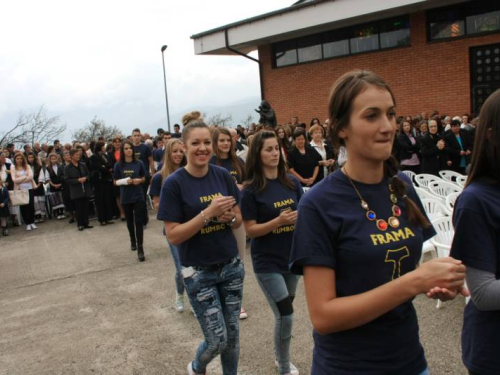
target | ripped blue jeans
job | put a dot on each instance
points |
(215, 294)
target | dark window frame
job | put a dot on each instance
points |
(346, 33)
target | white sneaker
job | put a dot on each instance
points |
(191, 371)
(179, 302)
(243, 314)
(28, 227)
(293, 369)
(33, 226)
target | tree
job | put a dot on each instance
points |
(248, 121)
(220, 120)
(95, 129)
(33, 127)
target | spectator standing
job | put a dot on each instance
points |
(102, 180)
(432, 148)
(304, 160)
(408, 149)
(56, 178)
(317, 134)
(177, 131)
(114, 157)
(22, 176)
(4, 208)
(458, 148)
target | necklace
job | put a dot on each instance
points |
(382, 225)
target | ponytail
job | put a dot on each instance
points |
(415, 215)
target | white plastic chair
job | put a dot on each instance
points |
(411, 175)
(443, 239)
(428, 247)
(442, 189)
(449, 175)
(460, 181)
(450, 203)
(424, 179)
(423, 194)
(434, 208)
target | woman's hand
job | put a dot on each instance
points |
(287, 217)
(226, 217)
(219, 206)
(446, 295)
(137, 181)
(444, 273)
(309, 181)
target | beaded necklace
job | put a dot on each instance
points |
(382, 225)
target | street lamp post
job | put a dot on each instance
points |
(163, 48)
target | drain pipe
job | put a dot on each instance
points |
(248, 57)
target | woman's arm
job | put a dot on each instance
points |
(181, 232)
(258, 230)
(299, 177)
(484, 288)
(330, 313)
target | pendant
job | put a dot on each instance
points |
(394, 222)
(364, 205)
(370, 215)
(381, 224)
(396, 211)
(394, 199)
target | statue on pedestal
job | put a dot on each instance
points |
(267, 115)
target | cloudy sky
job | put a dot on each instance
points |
(102, 58)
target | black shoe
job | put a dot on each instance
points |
(5, 232)
(81, 228)
(71, 221)
(140, 254)
(88, 227)
(109, 222)
(104, 224)
(133, 247)
(123, 219)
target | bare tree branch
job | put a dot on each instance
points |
(95, 129)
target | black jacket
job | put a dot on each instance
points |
(101, 168)
(56, 178)
(453, 148)
(433, 159)
(406, 148)
(71, 175)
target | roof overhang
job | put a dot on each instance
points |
(303, 19)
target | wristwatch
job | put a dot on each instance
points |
(232, 222)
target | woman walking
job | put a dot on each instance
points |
(129, 174)
(477, 243)
(358, 241)
(199, 205)
(173, 159)
(269, 207)
(22, 176)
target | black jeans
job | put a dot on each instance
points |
(104, 199)
(82, 211)
(134, 212)
(28, 210)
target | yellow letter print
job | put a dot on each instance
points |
(396, 256)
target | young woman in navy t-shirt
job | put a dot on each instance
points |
(477, 243)
(173, 159)
(199, 205)
(358, 241)
(225, 156)
(131, 195)
(269, 207)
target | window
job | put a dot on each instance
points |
(309, 48)
(469, 18)
(335, 43)
(390, 33)
(395, 34)
(285, 53)
(365, 39)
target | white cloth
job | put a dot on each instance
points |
(322, 152)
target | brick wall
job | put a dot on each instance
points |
(424, 76)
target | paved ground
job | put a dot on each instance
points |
(80, 303)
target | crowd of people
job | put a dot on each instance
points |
(357, 240)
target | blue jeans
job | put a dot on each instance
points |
(179, 282)
(215, 294)
(425, 372)
(278, 288)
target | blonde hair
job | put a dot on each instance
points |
(168, 165)
(190, 121)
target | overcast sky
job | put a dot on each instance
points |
(102, 57)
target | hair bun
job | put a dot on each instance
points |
(190, 116)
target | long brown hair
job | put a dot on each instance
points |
(168, 164)
(485, 162)
(25, 162)
(235, 161)
(122, 151)
(342, 96)
(254, 169)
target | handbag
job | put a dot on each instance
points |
(19, 197)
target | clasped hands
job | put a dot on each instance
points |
(222, 209)
(443, 278)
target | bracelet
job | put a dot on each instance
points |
(232, 222)
(205, 220)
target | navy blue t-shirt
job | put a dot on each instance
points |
(129, 193)
(158, 154)
(184, 196)
(271, 252)
(476, 218)
(228, 166)
(143, 153)
(155, 187)
(332, 231)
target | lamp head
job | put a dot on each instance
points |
(163, 48)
